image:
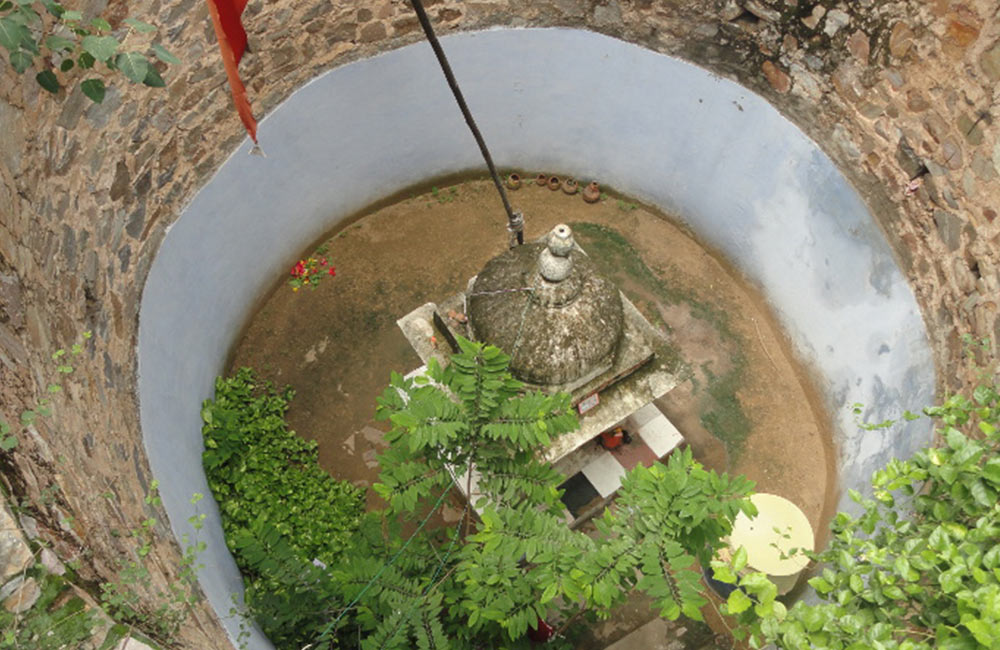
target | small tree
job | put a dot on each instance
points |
(486, 586)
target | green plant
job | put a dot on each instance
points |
(444, 197)
(284, 517)
(58, 619)
(480, 585)
(311, 271)
(42, 407)
(46, 35)
(919, 566)
(120, 598)
(260, 471)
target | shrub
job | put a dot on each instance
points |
(280, 509)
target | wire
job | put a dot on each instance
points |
(323, 635)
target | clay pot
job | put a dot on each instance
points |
(554, 183)
(592, 193)
(569, 186)
(513, 182)
(542, 179)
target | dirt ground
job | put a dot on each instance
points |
(744, 404)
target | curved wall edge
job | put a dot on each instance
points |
(744, 178)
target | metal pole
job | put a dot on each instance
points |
(515, 220)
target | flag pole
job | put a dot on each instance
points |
(515, 220)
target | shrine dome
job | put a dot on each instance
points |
(547, 306)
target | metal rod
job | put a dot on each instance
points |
(515, 220)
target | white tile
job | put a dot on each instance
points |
(644, 415)
(605, 473)
(661, 435)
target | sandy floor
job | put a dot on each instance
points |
(744, 404)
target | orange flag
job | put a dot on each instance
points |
(233, 43)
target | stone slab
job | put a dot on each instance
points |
(15, 555)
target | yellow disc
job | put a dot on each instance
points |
(778, 528)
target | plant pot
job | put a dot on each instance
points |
(592, 193)
(569, 186)
(554, 183)
(542, 179)
(513, 182)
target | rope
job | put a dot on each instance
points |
(378, 574)
(498, 291)
(515, 219)
(451, 546)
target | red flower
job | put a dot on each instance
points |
(331, 271)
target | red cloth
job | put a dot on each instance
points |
(612, 439)
(542, 633)
(233, 43)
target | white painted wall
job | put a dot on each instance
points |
(575, 102)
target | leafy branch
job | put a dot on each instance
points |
(63, 46)
(43, 406)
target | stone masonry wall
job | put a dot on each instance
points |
(904, 96)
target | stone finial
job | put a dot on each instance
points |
(554, 262)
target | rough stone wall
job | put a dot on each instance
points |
(898, 93)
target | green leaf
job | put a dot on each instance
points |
(991, 471)
(57, 43)
(102, 48)
(28, 417)
(739, 559)
(54, 8)
(153, 78)
(54, 388)
(47, 80)
(133, 65)
(101, 24)
(71, 16)
(163, 55)
(738, 602)
(821, 585)
(8, 443)
(139, 26)
(85, 60)
(66, 65)
(983, 632)
(20, 61)
(12, 33)
(94, 89)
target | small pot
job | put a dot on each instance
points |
(554, 183)
(513, 182)
(592, 193)
(542, 179)
(570, 186)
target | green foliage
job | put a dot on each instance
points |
(280, 510)
(122, 599)
(46, 34)
(58, 619)
(259, 471)
(478, 584)
(9, 441)
(919, 566)
(521, 563)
